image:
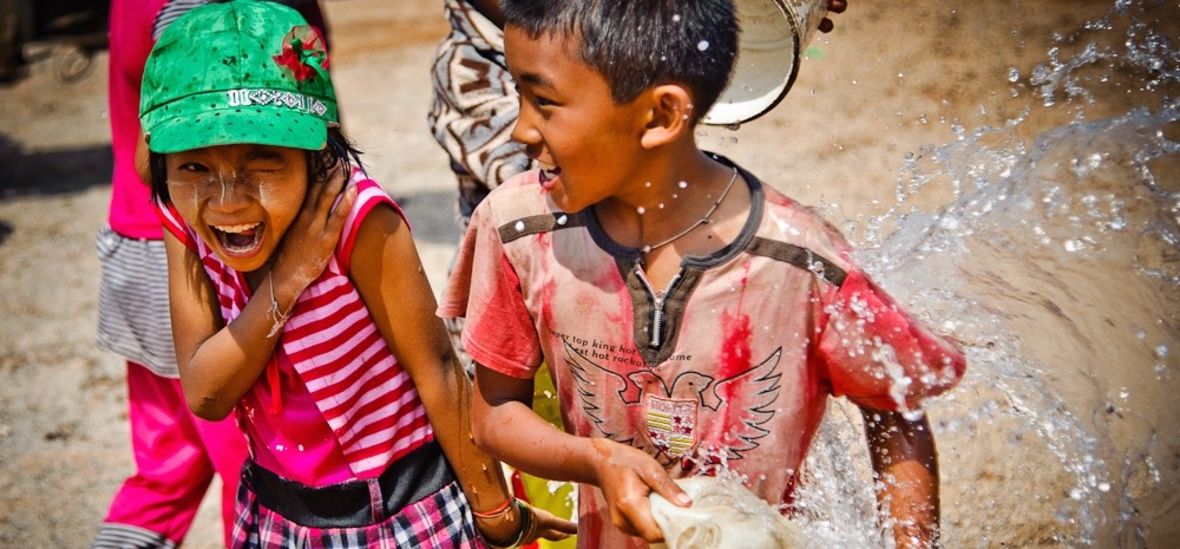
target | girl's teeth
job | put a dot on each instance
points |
(235, 228)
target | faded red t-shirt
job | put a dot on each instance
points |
(730, 366)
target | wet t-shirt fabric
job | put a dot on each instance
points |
(730, 365)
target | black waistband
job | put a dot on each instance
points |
(409, 479)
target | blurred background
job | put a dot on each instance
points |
(1010, 170)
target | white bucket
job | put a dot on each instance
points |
(773, 35)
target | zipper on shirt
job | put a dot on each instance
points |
(658, 299)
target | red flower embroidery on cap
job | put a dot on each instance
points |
(304, 53)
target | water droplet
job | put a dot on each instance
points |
(1013, 74)
(563, 219)
(519, 226)
(647, 184)
(676, 18)
(661, 205)
(641, 210)
(703, 45)
(1161, 351)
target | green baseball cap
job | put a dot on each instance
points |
(244, 71)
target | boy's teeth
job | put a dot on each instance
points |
(235, 228)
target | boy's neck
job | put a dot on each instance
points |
(679, 186)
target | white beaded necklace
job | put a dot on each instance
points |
(704, 220)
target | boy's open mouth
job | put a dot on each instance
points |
(239, 240)
(548, 176)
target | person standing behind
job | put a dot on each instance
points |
(695, 320)
(176, 453)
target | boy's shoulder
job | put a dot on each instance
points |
(789, 226)
(520, 207)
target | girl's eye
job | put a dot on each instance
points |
(193, 167)
(265, 168)
(543, 101)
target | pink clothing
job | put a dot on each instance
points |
(334, 392)
(176, 454)
(730, 366)
(293, 441)
(130, 35)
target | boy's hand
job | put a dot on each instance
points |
(311, 239)
(627, 476)
(834, 6)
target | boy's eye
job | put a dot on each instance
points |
(533, 97)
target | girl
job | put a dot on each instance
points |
(299, 302)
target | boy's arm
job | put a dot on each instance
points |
(905, 463)
(506, 426)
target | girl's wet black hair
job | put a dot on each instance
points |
(340, 152)
(636, 44)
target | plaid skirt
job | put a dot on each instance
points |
(440, 520)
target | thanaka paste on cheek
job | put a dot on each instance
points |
(224, 188)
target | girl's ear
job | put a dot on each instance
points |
(670, 116)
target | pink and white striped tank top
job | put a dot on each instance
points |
(337, 352)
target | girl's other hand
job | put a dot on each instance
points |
(834, 6)
(551, 527)
(627, 476)
(513, 529)
(311, 239)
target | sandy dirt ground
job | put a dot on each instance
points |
(888, 82)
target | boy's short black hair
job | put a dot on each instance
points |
(339, 152)
(636, 44)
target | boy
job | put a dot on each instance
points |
(694, 319)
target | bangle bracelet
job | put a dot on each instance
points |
(278, 317)
(527, 531)
(499, 510)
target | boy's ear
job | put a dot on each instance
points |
(670, 115)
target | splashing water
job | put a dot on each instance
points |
(1055, 260)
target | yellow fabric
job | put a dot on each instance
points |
(555, 497)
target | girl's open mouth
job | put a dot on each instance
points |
(239, 240)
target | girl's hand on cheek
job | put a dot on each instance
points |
(627, 476)
(311, 239)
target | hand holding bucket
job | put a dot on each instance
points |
(773, 35)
